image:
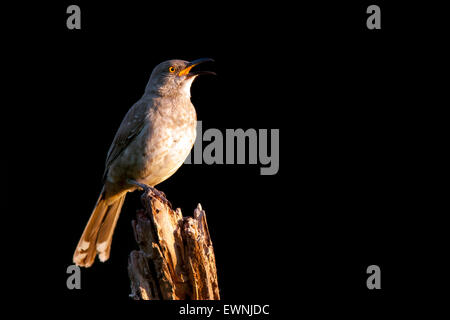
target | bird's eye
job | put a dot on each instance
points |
(172, 69)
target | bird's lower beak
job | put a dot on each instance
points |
(187, 70)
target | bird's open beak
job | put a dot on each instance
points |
(187, 70)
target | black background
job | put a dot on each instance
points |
(346, 100)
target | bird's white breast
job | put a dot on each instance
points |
(169, 141)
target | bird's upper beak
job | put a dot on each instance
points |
(187, 70)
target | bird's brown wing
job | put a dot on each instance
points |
(131, 125)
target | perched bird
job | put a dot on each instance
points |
(152, 142)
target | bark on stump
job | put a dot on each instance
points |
(176, 258)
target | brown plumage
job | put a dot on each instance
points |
(152, 142)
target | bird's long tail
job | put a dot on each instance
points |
(97, 235)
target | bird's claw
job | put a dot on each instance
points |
(152, 192)
(159, 195)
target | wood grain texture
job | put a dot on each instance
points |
(175, 260)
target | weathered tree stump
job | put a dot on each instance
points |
(176, 258)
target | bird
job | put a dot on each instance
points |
(152, 142)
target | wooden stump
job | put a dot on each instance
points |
(176, 258)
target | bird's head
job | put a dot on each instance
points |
(174, 77)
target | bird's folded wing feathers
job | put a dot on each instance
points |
(131, 126)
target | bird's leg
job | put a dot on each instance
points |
(154, 193)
